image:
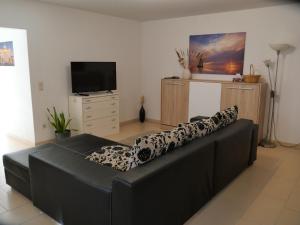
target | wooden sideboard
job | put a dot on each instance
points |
(176, 101)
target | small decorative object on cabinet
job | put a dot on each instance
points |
(251, 78)
(96, 114)
(142, 115)
(60, 124)
(184, 62)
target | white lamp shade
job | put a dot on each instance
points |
(280, 47)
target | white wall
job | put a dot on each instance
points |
(16, 116)
(263, 26)
(58, 35)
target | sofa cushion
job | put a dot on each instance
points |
(191, 130)
(229, 115)
(116, 156)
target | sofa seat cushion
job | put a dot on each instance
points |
(17, 162)
(116, 156)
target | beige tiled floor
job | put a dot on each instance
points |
(267, 193)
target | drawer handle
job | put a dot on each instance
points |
(89, 125)
(249, 89)
(88, 108)
(89, 117)
(113, 127)
(113, 120)
(113, 111)
(113, 104)
(88, 100)
(231, 88)
(176, 84)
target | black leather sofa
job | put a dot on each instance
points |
(165, 191)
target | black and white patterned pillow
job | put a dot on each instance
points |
(116, 156)
(191, 130)
(229, 116)
(149, 147)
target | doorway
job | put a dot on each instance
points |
(16, 113)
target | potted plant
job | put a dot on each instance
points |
(60, 124)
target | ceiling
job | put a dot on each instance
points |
(143, 10)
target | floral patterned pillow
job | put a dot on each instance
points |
(116, 156)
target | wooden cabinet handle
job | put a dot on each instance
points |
(180, 84)
(89, 117)
(87, 108)
(89, 125)
(232, 88)
(249, 89)
(113, 111)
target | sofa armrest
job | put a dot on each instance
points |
(63, 183)
(172, 187)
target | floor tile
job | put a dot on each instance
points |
(43, 219)
(265, 210)
(279, 188)
(245, 222)
(288, 217)
(20, 215)
(294, 199)
(2, 209)
(12, 199)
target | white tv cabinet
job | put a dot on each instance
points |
(96, 114)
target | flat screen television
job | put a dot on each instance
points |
(93, 76)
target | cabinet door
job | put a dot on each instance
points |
(249, 102)
(230, 95)
(246, 97)
(174, 102)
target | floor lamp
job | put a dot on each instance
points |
(279, 48)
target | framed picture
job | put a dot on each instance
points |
(218, 54)
(7, 54)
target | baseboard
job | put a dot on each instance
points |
(21, 140)
(153, 121)
(45, 142)
(137, 120)
(129, 122)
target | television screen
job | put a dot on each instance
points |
(93, 76)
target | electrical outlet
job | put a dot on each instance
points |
(41, 86)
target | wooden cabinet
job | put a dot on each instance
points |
(250, 98)
(174, 101)
(177, 98)
(95, 114)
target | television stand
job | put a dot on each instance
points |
(95, 113)
(82, 94)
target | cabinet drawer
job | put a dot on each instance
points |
(102, 126)
(99, 99)
(98, 106)
(100, 113)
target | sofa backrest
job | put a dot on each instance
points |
(232, 152)
(154, 193)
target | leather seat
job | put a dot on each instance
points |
(17, 169)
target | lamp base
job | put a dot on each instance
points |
(267, 144)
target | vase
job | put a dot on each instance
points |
(186, 74)
(142, 114)
(61, 136)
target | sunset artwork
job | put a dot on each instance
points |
(6, 54)
(221, 54)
